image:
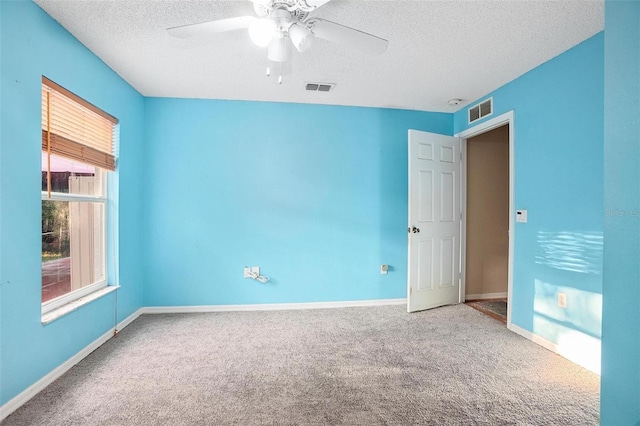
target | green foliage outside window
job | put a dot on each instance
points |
(55, 230)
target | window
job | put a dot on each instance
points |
(77, 154)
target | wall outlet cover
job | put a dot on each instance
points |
(562, 300)
(521, 216)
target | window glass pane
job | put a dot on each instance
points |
(72, 246)
(56, 272)
(72, 177)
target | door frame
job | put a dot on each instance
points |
(499, 121)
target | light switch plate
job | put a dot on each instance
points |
(521, 216)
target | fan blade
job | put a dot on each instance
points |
(211, 27)
(348, 36)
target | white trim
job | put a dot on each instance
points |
(269, 306)
(463, 220)
(486, 296)
(24, 396)
(495, 122)
(80, 297)
(547, 344)
(63, 310)
(500, 120)
(73, 198)
(128, 320)
(553, 348)
(52, 307)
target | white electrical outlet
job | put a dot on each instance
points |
(384, 269)
(562, 300)
(250, 272)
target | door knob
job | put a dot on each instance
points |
(415, 230)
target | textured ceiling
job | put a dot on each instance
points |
(438, 50)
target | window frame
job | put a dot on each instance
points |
(103, 199)
(84, 144)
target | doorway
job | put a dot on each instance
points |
(488, 212)
(487, 222)
(426, 200)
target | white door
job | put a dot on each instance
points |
(434, 221)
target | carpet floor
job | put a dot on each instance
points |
(347, 366)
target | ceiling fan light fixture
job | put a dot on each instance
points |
(301, 37)
(279, 50)
(282, 24)
(262, 31)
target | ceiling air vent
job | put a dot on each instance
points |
(319, 87)
(481, 110)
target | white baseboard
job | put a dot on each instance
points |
(22, 398)
(128, 320)
(269, 306)
(547, 344)
(552, 347)
(485, 296)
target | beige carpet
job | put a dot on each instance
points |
(350, 366)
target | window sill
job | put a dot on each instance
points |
(72, 306)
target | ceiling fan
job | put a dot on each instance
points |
(279, 24)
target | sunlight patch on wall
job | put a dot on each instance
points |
(583, 311)
(571, 251)
(576, 329)
(577, 347)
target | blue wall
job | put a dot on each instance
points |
(317, 196)
(33, 45)
(314, 195)
(620, 401)
(559, 129)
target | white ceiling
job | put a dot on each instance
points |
(438, 50)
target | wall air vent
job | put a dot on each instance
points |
(319, 87)
(481, 110)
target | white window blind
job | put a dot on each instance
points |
(76, 129)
